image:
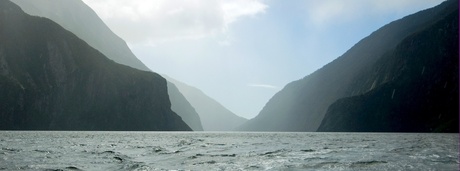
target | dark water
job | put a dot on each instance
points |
(226, 151)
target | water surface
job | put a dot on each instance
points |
(226, 151)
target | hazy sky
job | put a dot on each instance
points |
(241, 52)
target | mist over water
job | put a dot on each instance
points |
(226, 151)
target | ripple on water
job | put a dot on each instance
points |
(323, 165)
(361, 164)
(15, 150)
(72, 168)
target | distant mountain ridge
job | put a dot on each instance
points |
(214, 116)
(182, 106)
(52, 80)
(302, 105)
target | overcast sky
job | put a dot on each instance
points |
(241, 52)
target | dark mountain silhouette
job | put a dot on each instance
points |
(421, 93)
(52, 80)
(214, 116)
(70, 14)
(302, 104)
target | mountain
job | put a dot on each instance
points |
(70, 14)
(52, 80)
(422, 94)
(302, 105)
(214, 116)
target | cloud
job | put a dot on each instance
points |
(234, 9)
(264, 86)
(156, 21)
(323, 13)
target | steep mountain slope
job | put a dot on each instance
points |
(421, 94)
(52, 80)
(70, 14)
(302, 104)
(214, 116)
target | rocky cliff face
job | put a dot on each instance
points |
(52, 80)
(302, 104)
(70, 14)
(418, 87)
